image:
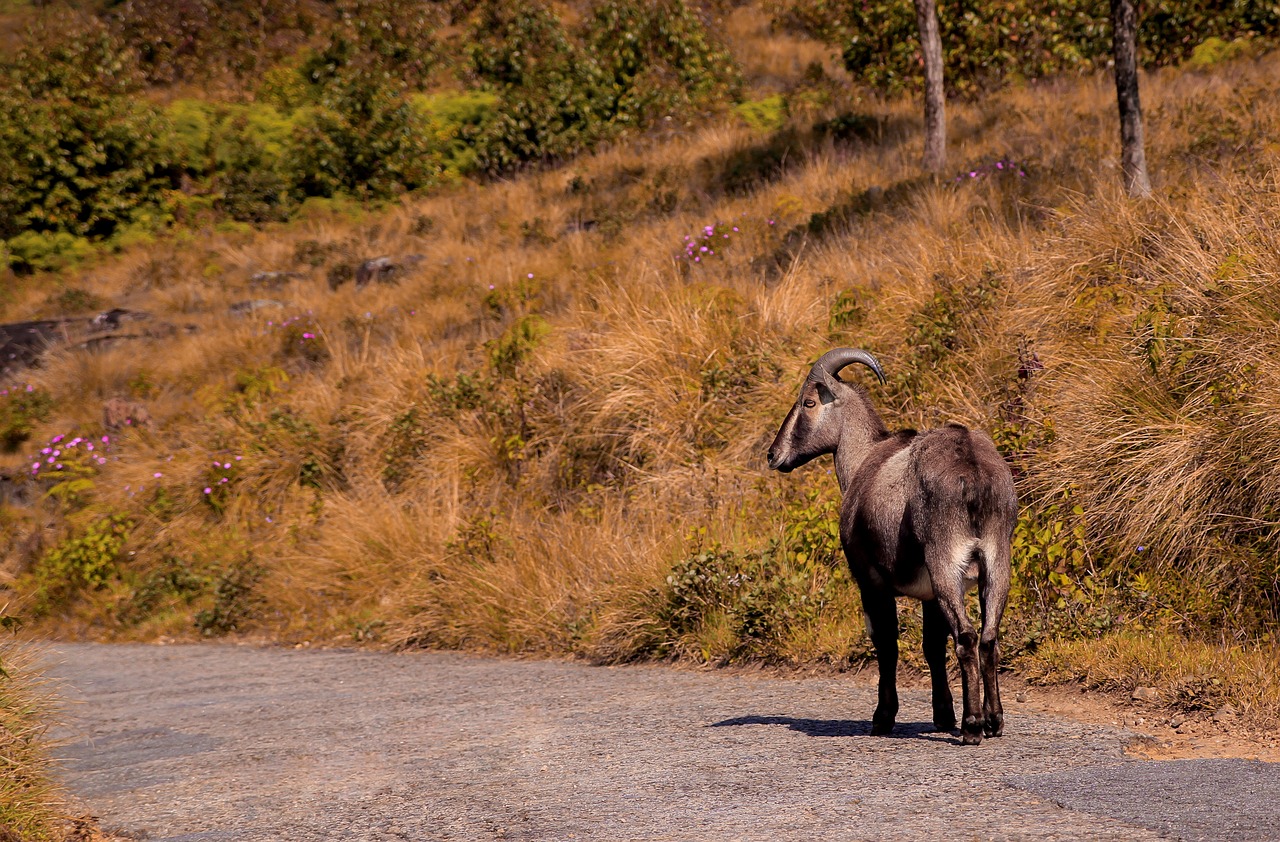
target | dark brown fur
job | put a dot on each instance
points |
(924, 515)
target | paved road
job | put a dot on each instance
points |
(234, 743)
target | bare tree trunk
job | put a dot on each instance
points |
(1124, 43)
(935, 116)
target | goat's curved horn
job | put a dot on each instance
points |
(831, 362)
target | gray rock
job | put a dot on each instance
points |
(273, 279)
(22, 344)
(1145, 694)
(386, 269)
(244, 308)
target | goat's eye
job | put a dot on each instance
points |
(810, 403)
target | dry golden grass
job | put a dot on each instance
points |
(539, 504)
(1187, 675)
(31, 806)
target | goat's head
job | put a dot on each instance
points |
(813, 425)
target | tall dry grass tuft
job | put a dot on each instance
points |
(31, 805)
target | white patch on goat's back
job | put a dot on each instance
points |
(892, 474)
(889, 487)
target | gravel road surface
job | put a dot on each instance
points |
(215, 742)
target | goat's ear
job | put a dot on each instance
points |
(825, 394)
(827, 385)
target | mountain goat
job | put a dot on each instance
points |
(926, 515)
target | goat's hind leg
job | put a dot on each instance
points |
(993, 592)
(936, 635)
(948, 588)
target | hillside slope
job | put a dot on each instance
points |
(544, 432)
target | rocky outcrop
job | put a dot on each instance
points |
(386, 269)
(23, 344)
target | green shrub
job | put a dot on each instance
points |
(235, 601)
(239, 150)
(555, 100)
(722, 604)
(636, 63)
(371, 143)
(514, 346)
(249, 152)
(985, 45)
(47, 251)
(406, 441)
(658, 59)
(201, 40)
(20, 411)
(1214, 51)
(765, 114)
(84, 562)
(376, 37)
(451, 121)
(191, 123)
(174, 581)
(77, 153)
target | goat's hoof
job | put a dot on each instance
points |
(944, 720)
(879, 729)
(971, 739)
(971, 733)
(994, 725)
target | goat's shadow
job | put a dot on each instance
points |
(844, 728)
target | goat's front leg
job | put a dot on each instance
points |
(936, 634)
(881, 613)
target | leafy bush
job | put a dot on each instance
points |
(514, 346)
(20, 411)
(450, 121)
(77, 153)
(1213, 51)
(659, 58)
(84, 562)
(721, 604)
(765, 114)
(637, 62)
(376, 37)
(987, 44)
(554, 96)
(200, 40)
(173, 581)
(47, 251)
(235, 601)
(362, 136)
(370, 144)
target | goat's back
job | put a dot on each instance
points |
(963, 485)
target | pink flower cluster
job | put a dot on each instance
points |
(285, 324)
(60, 448)
(223, 468)
(1001, 166)
(704, 244)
